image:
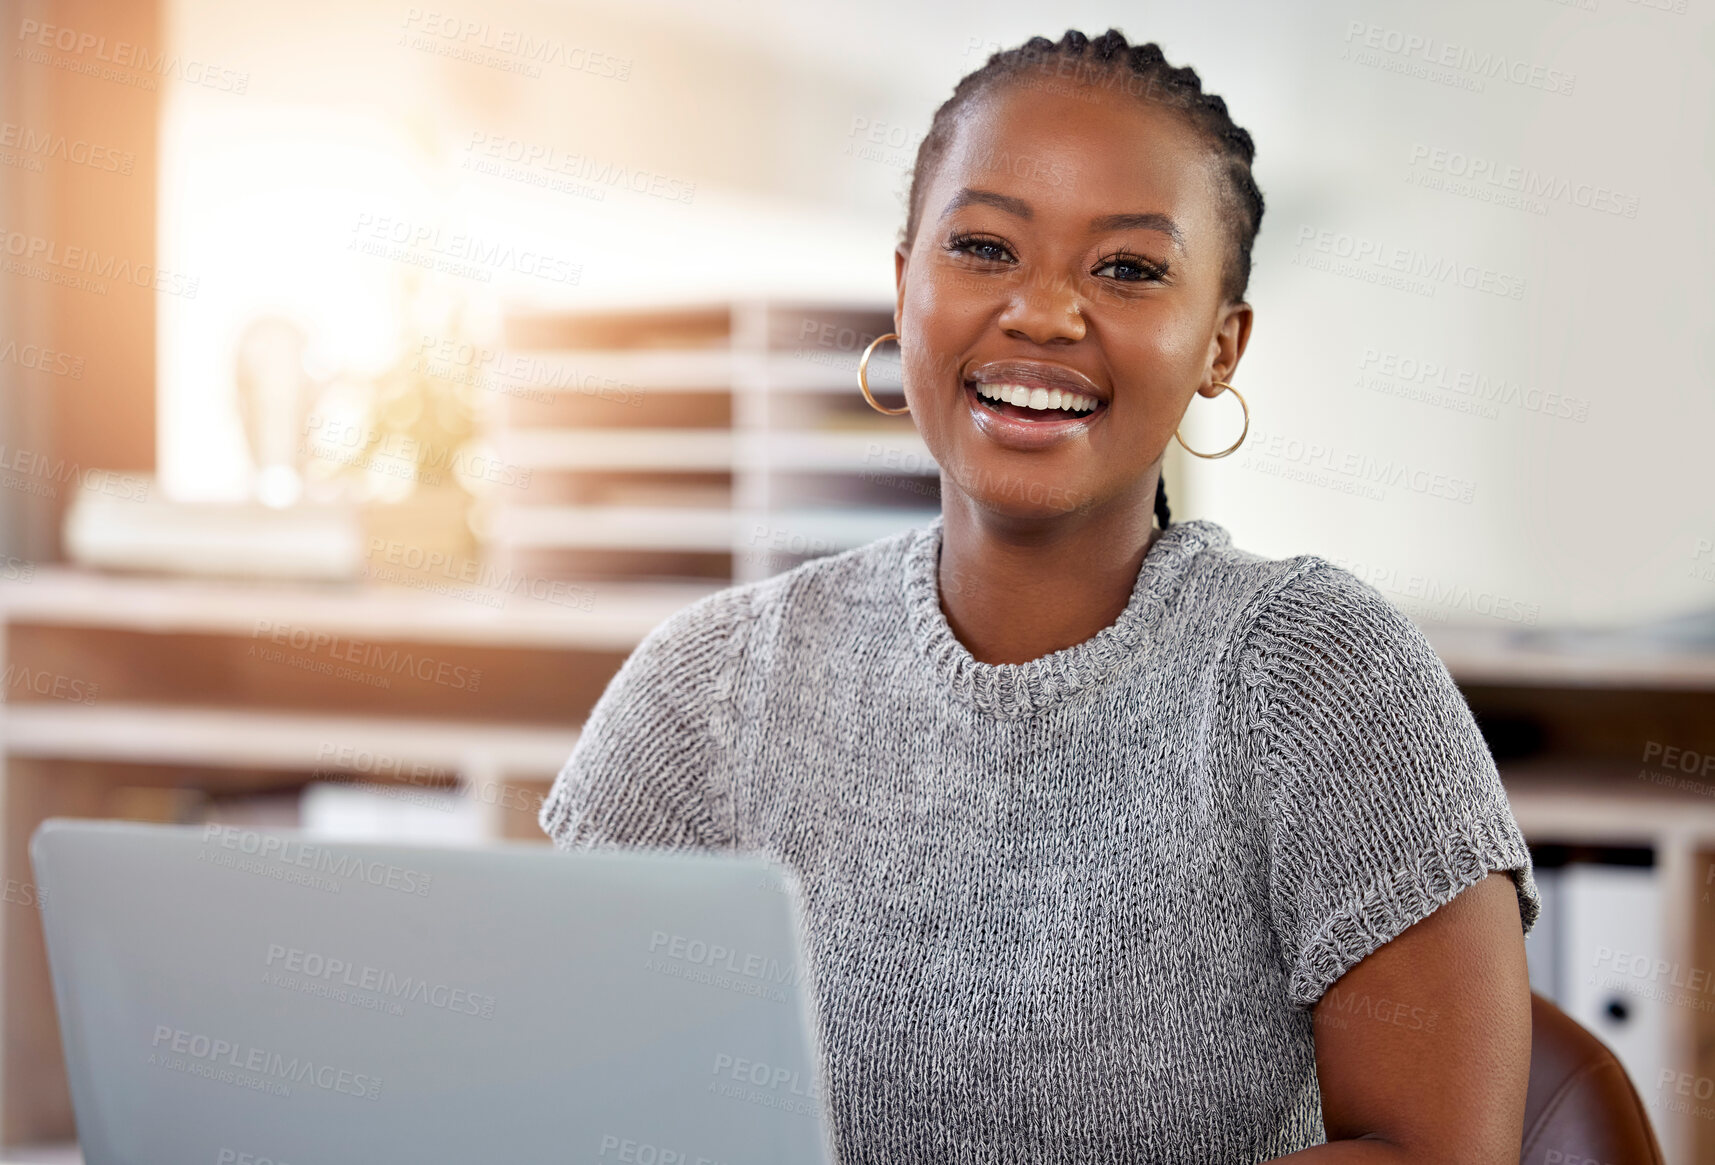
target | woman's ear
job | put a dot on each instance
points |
(1232, 334)
(901, 258)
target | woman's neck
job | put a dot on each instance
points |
(1016, 591)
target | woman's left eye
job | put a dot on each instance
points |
(978, 247)
(1138, 270)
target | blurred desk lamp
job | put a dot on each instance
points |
(275, 394)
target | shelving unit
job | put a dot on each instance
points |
(723, 441)
(669, 453)
(1572, 732)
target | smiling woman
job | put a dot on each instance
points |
(1118, 843)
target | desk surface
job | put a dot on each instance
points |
(610, 616)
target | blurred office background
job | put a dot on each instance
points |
(373, 376)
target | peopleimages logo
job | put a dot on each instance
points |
(518, 374)
(315, 973)
(1699, 568)
(237, 1157)
(555, 169)
(1528, 184)
(441, 31)
(389, 659)
(201, 1055)
(289, 851)
(42, 682)
(485, 579)
(766, 1085)
(33, 473)
(1365, 474)
(1405, 373)
(39, 359)
(1684, 759)
(54, 262)
(122, 61)
(382, 450)
(695, 959)
(455, 252)
(77, 151)
(1430, 52)
(1373, 261)
(1653, 969)
(1441, 594)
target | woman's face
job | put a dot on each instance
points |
(1070, 243)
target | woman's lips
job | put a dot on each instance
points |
(1036, 374)
(1011, 427)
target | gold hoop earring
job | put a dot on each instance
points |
(863, 377)
(1235, 444)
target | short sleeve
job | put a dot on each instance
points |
(649, 767)
(1382, 801)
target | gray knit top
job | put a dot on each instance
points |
(1075, 909)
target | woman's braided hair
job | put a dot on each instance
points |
(1077, 64)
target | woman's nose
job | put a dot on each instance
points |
(1044, 313)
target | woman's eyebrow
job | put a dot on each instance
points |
(1144, 222)
(971, 195)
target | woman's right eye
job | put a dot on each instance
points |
(979, 247)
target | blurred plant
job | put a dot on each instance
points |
(392, 436)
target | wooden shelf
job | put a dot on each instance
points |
(1583, 801)
(571, 372)
(708, 530)
(619, 614)
(1497, 657)
(716, 450)
(220, 738)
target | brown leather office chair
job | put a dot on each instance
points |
(1581, 1106)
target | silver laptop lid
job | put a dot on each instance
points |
(234, 996)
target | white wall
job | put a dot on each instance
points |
(1591, 518)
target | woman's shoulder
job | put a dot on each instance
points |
(1314, 635)
(1304, 592)
(1302, 622)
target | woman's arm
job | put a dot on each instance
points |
(650, 766)
(1423, 1047)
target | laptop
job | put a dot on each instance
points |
(235, 997)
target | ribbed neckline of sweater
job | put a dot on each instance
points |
(1012, 690)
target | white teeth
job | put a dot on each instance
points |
(1038, 398)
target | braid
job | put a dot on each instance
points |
(1111, 62)
(1163, 515)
